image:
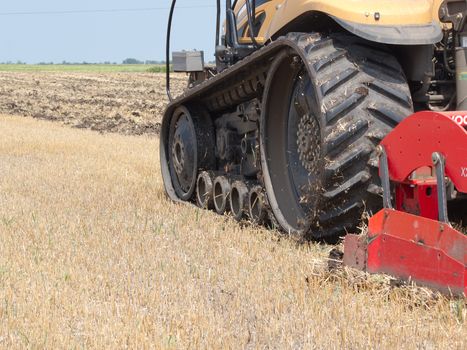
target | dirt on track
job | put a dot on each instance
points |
(126, 103)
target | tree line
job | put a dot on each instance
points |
(125, 61)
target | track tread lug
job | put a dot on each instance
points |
(338, 80)
(385, 115)
(318, 45)
(351, 131)
(344, 106)
(391, 93)
(339, 211)
(360, 177)
(322, 63)
(340, 164)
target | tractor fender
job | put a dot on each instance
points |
(384, 21)
(421, 34)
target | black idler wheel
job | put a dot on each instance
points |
(190, 141)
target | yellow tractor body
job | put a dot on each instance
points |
(387, 21)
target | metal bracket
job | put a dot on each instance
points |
(384, 175)
(439, 163)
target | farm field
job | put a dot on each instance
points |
(97, 68)
(128, 103)
(93, 255)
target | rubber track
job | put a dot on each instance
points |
(362, 93)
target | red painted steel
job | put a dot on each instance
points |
(418, 197)
(417, 248)
(411, 144)
(408, 242)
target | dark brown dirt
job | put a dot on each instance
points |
(126, 103)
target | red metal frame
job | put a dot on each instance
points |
(409, 242)
(411, 247)
(411, 144)
(418, 197)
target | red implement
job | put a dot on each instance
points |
(414, 240)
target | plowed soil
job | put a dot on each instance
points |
(127, 103)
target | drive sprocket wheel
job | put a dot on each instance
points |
(190, 140)
(327, 104)
(308, 142)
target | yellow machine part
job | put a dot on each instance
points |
(278, 13)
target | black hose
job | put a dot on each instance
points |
(251, 14)
(167, 51)
(445, 54)
(228, 32)
(232, 25)
(218, 22)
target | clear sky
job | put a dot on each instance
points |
(102, 36)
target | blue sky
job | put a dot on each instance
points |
(98, 37)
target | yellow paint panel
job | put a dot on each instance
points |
(391, 12)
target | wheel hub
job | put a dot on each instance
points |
(183, 159)
(178, 154)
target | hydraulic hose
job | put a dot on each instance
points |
(167, 51)
(218, 22)
(251, 14)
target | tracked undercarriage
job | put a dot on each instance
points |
(288, 134)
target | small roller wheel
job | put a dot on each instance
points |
(238, 199)
(256, 206)
(204, 191)
(221, 193)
